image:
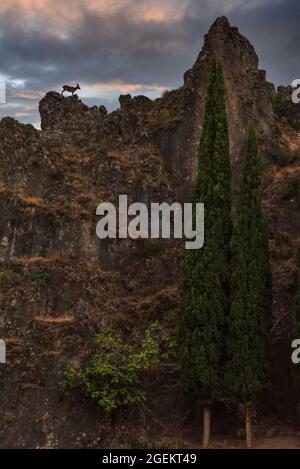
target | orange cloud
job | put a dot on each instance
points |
(124, 87)
(57, 11)
(24, 113)
(115, 88)
(27, 94)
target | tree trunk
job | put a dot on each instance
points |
(248, 426)
(206, 426)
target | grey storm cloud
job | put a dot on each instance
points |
(144, 46)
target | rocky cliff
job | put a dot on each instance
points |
(59, 284)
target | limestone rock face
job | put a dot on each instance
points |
(51, 182)
(287, 111)
(248, 99)
(68, 113)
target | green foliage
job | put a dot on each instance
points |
(279, 102)
(282, 157)
(9, 277)
(206, 272)
(249, 320)
(8, 417)
(113, 376)
(36, 275)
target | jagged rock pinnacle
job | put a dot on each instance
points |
(221, 24)
(68, 113)
(248, 92)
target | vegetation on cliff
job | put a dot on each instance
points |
(249, 320)
(112, 378)
(206, 272)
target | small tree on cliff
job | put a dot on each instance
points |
(250, 314)
(206, 272)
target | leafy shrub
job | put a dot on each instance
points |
(282, 157)
(113, 376)
(41, 278)
(8, 417)
(279, 102)
(9, 277)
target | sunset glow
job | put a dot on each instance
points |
(123, 46)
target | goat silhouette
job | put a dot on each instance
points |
(70, 89)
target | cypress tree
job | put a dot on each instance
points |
(206, 272)
(249, 320)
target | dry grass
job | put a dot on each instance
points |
(3, 187)
(150, 153)
(13, 341)
(291, 139)
(121, 157)
(57, 257)
(281, 183)
(84, 215)
(27, 200)
(56, 319)
(164, 118)
(85, 198)
(73, 159)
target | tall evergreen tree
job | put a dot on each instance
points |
(206, 272)
(249, 321)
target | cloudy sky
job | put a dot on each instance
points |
(129, 46)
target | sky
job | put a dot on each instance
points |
(113, 47)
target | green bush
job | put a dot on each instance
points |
(282, 157)
(8, 417)
(112, 377)
(279, 102)
(9, 277)
(35, 275)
